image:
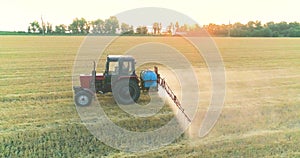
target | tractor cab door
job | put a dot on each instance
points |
(117, 68)
(112, 69)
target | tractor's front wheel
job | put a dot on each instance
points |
(83, 98)
(126, 92)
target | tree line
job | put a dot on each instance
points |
(255, 29)
(111, 26)
(79, 26)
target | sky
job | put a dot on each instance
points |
(17, 14)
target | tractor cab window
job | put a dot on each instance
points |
(120, 68)
(113, 68)
(126, 67)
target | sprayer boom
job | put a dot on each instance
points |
(162, 82)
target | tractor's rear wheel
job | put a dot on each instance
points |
(126, 92)
(83, 98)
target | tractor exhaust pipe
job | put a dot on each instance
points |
(92, 84)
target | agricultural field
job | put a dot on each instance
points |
(260, 118)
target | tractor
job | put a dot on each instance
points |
(119, 77)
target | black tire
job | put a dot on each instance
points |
(83, 98)
(126, 93)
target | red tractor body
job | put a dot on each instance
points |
(119, 75)
(86, 79)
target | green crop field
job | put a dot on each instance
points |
(260, 118)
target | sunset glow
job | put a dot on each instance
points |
(17, 14)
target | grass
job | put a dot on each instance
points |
(261, 115)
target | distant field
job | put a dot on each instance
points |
(261, 115)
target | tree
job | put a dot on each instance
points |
(216, 30)
(142, 30)
(79, 26)
(84, 26)
(29, 29)
(74, 26)
(42, 29)
(60, 29)
(239, 25)
(283, 28)
(294, 25)
(171, 28)
(34, 26)
(238, 30)
(258, 25)
(267, 32)
(125, 27)
(159, 28)
(155, 27)
(294, 29)
(111, 25)
(251, 25)
(49, 28)
(184, 28)
(271, 25)
(294, 32)
(98, 26)
(211, 28)
(196, 27)
(177, 26)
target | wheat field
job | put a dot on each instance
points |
(260, 118)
